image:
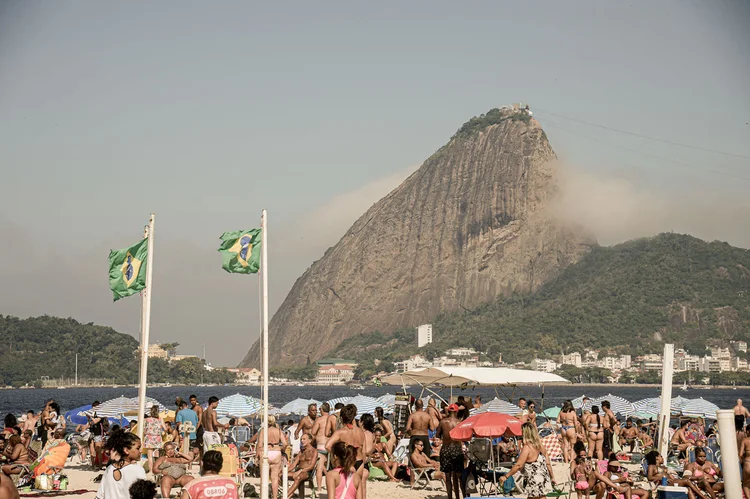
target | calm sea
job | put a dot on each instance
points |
(19, 401)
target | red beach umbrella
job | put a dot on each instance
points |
(487, 424)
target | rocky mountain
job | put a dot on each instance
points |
(471, 224)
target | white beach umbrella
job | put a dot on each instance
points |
(365, 404)
(297, 406)
(342, 400)
(618, 405)
(700, 408)
(114, 408)
(499, 406)
(238, 405)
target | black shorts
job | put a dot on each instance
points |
(451, 458)
(198, 442)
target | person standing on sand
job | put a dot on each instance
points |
(211, 424)
(353, 435)
(195, 406)
(30, 422)
(306, 424)
(124, 468)
(434, 414)
(321, 431)
(568, 425)
(451, 453)
(608, 421)
(534, 463)
(418, 426)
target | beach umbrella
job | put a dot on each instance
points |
(150, 402)
(342, 400)
(365, 404)
(486, 424)
(387, 400)
(297, 406)
(617, 404)
(578, 403)
(552, 412)
(678, 402)
(238, 405)
(77, 416)
(700, 408)
(499, 406)
(114, 408)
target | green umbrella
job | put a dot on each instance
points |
(552, 412)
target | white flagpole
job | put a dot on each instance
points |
(666, 398)
(264, 467)
(145, 324)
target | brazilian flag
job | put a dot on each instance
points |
(127, 269)
(240, 251)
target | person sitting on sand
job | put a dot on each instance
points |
(17, 456)
(173, 468)
(617, 474)
(657, 471)
(628, 435)
(704, 474)
(303, 464)
(380, 457)
(420, 460)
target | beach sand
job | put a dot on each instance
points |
(81, 477)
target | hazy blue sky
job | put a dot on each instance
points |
(207, 112)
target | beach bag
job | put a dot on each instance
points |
(508, 485)
(248, 490)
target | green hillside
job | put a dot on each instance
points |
(629, 299)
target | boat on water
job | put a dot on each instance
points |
(684, 386)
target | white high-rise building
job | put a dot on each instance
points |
(424, 335)
(573, 359)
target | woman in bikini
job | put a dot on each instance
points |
(17, 455)
(380, 455)
(568, 421)
(388, 433)
(657, 471)
(704, 474)
(593, 424)
(276, 444)
(343, 479)
(351, 434)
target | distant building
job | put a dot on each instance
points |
(689, 363)
(246, 375)
(413, 362)
(424, 335)
(177, 358)
(739, 346)
(625, 361)
(335, 374)
(739, 364)
(720, 353)
(652, 362)
(336, 362)
(543, 365)
(710, 365)
(461, 352)
(157, 352)
(572, 359)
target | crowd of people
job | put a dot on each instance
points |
(339, 449)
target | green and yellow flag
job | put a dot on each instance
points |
(240, 251)
(127, 269)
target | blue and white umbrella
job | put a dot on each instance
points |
(578, 402)
(78, 416)
(115, 408)
(238, 405)
(387, 400)
(339, 400)
(150, 402)
(297, 406)
(365, 404)
(498, 405)
(700, 408)
(618, 405)
(650, 405)
(678, 402)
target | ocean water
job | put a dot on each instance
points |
(19, 401)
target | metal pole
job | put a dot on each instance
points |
(145, 325)
(264, 467)
(730, 464)
(666, 398)
(284, 480)
(76, 369)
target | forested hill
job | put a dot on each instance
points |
(627, 298)
(46, 346)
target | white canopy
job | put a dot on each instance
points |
(472, 376)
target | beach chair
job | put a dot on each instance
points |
(231, 467)
(421, 478)
(240, 434)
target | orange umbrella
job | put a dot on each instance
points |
(486, 424)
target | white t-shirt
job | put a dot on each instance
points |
(120, 489)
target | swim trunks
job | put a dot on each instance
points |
(451, 458)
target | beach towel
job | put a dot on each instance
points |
(552, 444)
(53, 493)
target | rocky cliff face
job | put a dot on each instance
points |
(469, 225)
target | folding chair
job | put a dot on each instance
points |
(421, 477)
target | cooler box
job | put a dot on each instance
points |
(671, 492)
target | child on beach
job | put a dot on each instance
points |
(581, 477)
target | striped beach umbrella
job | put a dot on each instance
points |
(342, 400)
(578, 403)
(678, 402)
(700, 408)
(238, 405)
(114, 408)
(388, 400)
(297, 406)
(365, 404)
(150, 402)
(498, 405)
(618, 405)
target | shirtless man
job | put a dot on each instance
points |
(451, 453)
(434, 414)
(321, 430)
(353, 435)
(744, 451)
(7, 489)
(740, 415)
(608, 422)
(30, 421)
(196, 407)
(210, 423)
(306, 424)
(628, 435)
(645, 437)
(303, 464)
(679, 438)
(419, 425)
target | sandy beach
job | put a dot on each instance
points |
(81, 478)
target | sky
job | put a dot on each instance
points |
(206, 113)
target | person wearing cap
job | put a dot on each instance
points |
(451, 453)
(418, 426)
